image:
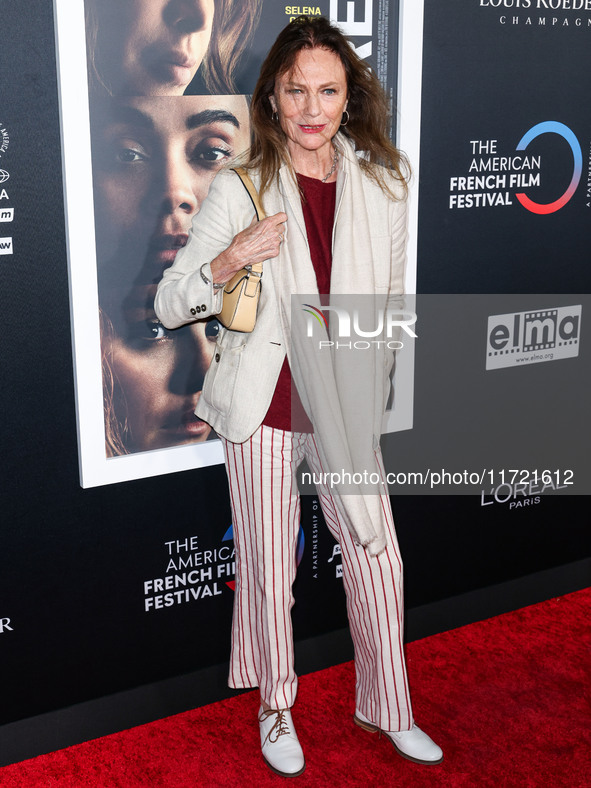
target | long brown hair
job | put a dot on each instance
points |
(367, 106)
(116, 426)
(234, 22)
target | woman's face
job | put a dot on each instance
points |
(154, 160)
(159, 374)
(152, 47)
(310, 100)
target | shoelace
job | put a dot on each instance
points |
(280, 725)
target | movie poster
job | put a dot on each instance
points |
(154, 101)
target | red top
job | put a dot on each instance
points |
(318, 205)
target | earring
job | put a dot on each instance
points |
(344, 122)
(275, 116)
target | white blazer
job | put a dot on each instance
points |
(241, 380)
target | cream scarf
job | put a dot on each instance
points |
(340, 389)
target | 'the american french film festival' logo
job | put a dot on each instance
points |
(348, 332)
(192, 574)
(492, 179)
(195, 573)
(530, 337)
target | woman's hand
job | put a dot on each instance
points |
(259, 241)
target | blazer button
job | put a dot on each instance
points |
(203, 307)
(193, 311)
(217, 357)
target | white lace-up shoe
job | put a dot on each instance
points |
(279, 743)
(414, 744)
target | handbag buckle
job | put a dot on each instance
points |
(251, 272)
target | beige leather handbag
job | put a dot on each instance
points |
(242, 292)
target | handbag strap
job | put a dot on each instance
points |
(255, 268)
(252, 192)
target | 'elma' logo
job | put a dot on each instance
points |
(529, 337)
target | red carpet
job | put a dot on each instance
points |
(508, 699)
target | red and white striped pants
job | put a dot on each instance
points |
(266, 517)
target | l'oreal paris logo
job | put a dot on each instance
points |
(389, 322)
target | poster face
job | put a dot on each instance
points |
(153, 160)
(154, 102)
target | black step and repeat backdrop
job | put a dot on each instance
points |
(116, 537)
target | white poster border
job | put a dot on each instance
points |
(95, 467)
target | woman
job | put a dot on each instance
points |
(153, 162)
(154, 159)
(152, 377)
(336, 222)
(165, 47)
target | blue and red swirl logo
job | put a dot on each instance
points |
(553, 127)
